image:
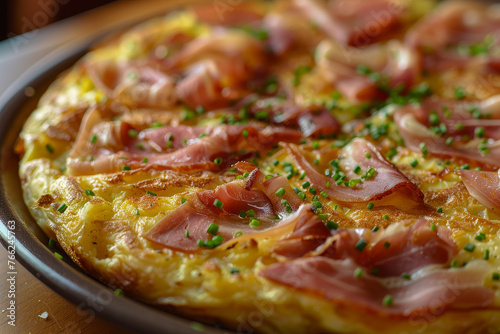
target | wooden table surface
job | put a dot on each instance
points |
(33, 298)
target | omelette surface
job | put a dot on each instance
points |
(284, 167)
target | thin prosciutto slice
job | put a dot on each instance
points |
(452, 25)
(148, 150)
(459, 117)
(196, 215)
(199, 212)
(270, 187)
(387, 180)
(415, 133)
(394, 251)
(133, 83)
(483, 186)
(289, 31)
(338, 64)
(334, 280)
(353, 22)
(399, 249)
(313, 121)
(217, 68)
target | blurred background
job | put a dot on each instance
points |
(21, 16)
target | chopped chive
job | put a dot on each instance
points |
(433, 118)
(218, 203)
(370, 206)
(59, 256)
(186, 233)
(183, 200)
(302, 176)
(406, 276)
(479, 132)
(156, 125)
(243, 214)
(238, 234)
(495, 276)
(315, 145)
(280, 192)
(325, 195)
(187, 114)
(218, 161)
(357, 170)
(387, 244)
(150, 193)
(424, 149)
(132, 133)
(371, 173)
(388, 300)
(454, 264)
(62, 208)
(480, 237)
(254, 222)
(125, 168)
(332, 225)
(137, 212)
(353, 182)
(433, 227)
(145, 160)
(360, 245)
(213, 229)
(470, 247)
(414, 163)
(52, 243)
(368, 156)
(94, 139)
(217, 240)
(250, 213)
(323, 216)
(49, 148)
(245, 133)
(459, 93)
(118, 292)
(312, 190)
(305, 185)
(358, 272)
(301, 195)
(89, 192)
(234, 271)
(385, 217)
(486, 254)
(375, 229)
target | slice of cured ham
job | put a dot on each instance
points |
(386, 180)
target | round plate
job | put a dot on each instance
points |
(65, 278)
